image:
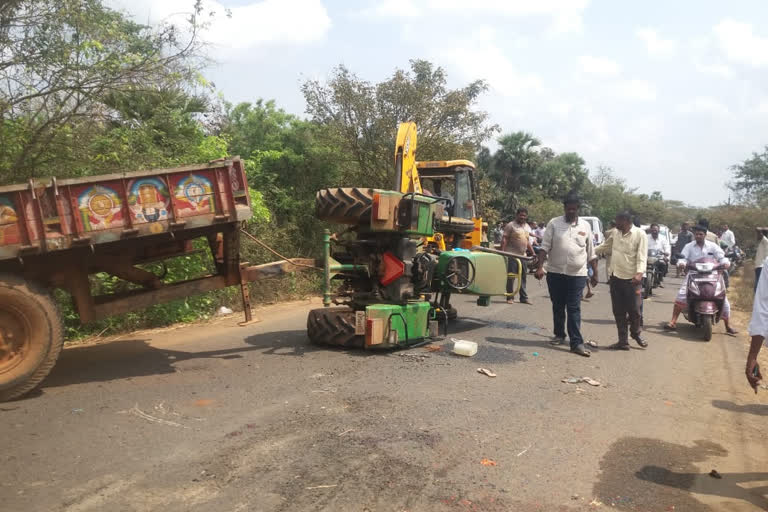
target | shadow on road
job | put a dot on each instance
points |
(685, 331)
(599, 321)
(756, 409)
(650, 474)
(535, 344)
(137, 358)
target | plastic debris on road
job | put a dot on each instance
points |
(488, 462)
(577, 380)
(464, 347)
(224, 311)
(486, 371)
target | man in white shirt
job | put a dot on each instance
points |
(567, 248)
(728, 238)
(699, 248)
(659, 243)
(761, 254)
(758, 329)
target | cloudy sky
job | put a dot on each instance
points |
(669, 94)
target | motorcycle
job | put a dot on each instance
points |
(736, 256)
(705, 292)
(653, 274)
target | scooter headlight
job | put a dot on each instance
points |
(705, 267)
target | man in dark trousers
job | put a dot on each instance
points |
(567, 249)
(628, 248)
(517, 240)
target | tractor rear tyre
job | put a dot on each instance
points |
(455, 225)
(31, 335)
(334, 326)
(344, 205)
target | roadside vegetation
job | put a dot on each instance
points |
(85, 90)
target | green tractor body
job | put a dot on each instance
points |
(391, 287)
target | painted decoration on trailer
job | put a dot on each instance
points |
(9, 228)
(148, 200)
(100, 208)
(194, 195)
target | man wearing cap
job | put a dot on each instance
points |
(699, 248)
(567, 248)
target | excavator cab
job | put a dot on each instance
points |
(450, 182)
(453, 182)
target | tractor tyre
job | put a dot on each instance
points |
(31, 335)
(344, 205)
(334, 326)
(455, 225)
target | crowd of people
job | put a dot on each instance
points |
(567, 255)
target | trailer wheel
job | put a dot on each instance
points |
(333, 326)
(455, 225)
(31, 335)
(344, 205)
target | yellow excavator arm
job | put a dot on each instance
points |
(406, 174)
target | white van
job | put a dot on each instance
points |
(597, 229)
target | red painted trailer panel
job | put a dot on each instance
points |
(52, 215)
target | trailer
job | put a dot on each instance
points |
(57, 233)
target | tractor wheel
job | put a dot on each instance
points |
(31, 335)
(344, 205)
(706, 324)
(455, 225)
(333, 326)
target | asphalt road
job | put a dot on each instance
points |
(218, 417)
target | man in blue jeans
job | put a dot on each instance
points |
(567, 249)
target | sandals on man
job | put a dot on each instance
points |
(670, 327)
(581, 350)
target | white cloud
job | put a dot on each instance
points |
(714, 69)
(762, 107)
(478, 56)
(561, 109)
(640, 90)
(740, 44)
(565, 15)
(598, 65)
(393, 8)
(655, 44)
(261, 23)
(704, 105)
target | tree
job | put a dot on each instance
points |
(750, 178)
(560, 174)
(64, 64)
(515, 163)
(525, 173)
(287, 160)
(363, 118)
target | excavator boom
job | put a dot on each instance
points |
(406, 174)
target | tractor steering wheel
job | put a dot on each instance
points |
(460, 273)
